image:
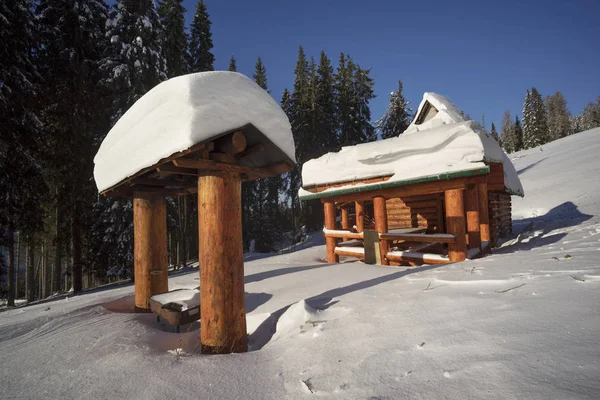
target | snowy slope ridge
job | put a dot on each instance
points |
(183, 111)
(522, 322)
(455, 147)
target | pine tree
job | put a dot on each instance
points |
(354, 90)
(266, 191)
(172, 17)
(134, 63)
(20, 167)
(201, 41)
(535, 126)
(325, 105)
(397, 117)
(591, 116)
(518, 135)
(558, 116)
(494, 133)
(232, 64)
(508, 133)
(73, 43)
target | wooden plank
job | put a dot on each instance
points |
(372, 248)
(339, 235)
(419, 237)
(221, 260)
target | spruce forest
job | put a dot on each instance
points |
(68, 73)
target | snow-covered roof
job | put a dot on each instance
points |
(450, 147)
(184, 111)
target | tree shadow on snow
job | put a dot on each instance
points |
(519, 172)
(261, 276)
(530, 233)
(264, 333)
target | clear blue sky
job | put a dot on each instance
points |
(483, 55)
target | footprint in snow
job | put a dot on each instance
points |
(447, 374)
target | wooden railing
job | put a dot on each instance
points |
(371, 250)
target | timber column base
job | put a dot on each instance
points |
(150, 259)
(222, 302)
(455, 224)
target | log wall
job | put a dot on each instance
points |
(500, 214)
(416, 212)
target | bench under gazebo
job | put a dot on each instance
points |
(438, 193)
(201, 133)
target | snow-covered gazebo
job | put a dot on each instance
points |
(438, 193)
(204, 133)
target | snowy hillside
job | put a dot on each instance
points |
(521, 323)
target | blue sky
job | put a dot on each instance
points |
(483, 55)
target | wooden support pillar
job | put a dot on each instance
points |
(360, 216)
(330, 243)
(149, 247)
(345, 219)
(381, 225)
(455, 224)
(472, 211)
(484, 218)
(222, 301)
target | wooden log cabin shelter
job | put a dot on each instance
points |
(438, 193)
(228, 130)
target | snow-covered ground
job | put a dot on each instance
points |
(521, 323)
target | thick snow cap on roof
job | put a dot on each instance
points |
(182, 112)
(447, 113)
(452, 146)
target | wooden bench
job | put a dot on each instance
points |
(177, 307)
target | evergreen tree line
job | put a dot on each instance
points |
(544, 120)
(68, 72)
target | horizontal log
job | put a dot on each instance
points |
(416, 257)
(349, 252)
(342, 234)
(412, 204)
(419, 237)
(208, 165)
(402, 214)
(259, 148)
(169, 169)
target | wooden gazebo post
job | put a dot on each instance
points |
(149, 247)
(222, 303)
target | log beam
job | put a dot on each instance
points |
(381, 225)
(472, 211)
(330, 242)
(149, 247)
(360, 215)
(484, 218)
(222, 303)
(455, 224)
